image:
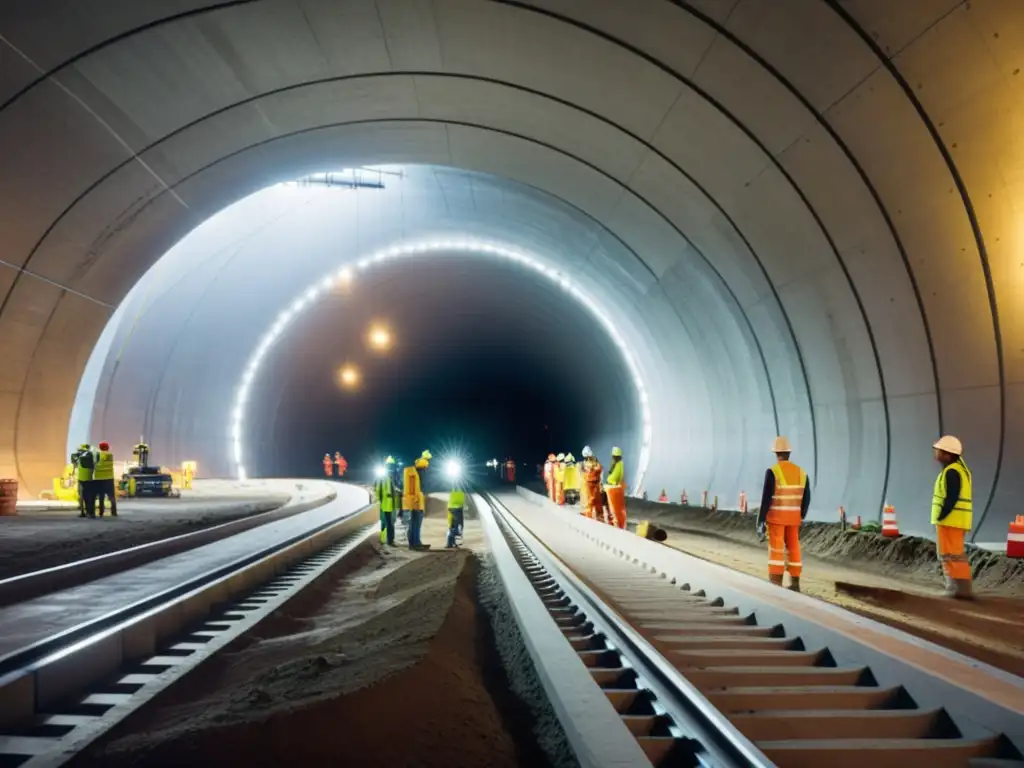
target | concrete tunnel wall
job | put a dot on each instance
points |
(853, 186)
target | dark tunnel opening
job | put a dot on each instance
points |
(488, 360)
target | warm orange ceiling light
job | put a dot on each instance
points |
(349, 376)
(380, 337)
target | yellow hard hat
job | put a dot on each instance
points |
(617, 452)
(570, 457)
(781, 445)
(426, 455)
(949, 444)
(421, 463)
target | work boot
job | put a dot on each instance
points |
(963, 589)
(794, 583)
(775, 578)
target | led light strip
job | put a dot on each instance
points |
(422, 248)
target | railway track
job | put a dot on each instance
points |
(697, 679)
(59, 695)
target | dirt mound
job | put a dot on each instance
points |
(909, 556)
(391, 665)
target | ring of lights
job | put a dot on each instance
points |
(422, 248)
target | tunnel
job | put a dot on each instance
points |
(796, 218)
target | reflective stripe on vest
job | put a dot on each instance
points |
(962, 514)
(787, 501)
(104, 466)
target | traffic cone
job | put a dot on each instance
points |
(1015, 538)
(743, 502)
(856, 524)
(890, 528)
(683, 500)
(704, 500)
(663, 499)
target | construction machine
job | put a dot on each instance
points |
(142, 479)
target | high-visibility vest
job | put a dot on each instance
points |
(456, 499)
(412, 494)
(571, 477)
(104, 466)
(787, 501)
(84, 474)
(385, 494)
(962, 514)
(618, 474)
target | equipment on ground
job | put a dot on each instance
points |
(142, 479)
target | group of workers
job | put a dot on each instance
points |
(330, 464)
(568, 482)
(786, 498)
(402, 495)
(94, 471)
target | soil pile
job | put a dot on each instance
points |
(389, 663)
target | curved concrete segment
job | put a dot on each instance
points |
(808, 211)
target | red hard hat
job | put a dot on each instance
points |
(104, 446)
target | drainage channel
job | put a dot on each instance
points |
(51, 739)
(670, 720)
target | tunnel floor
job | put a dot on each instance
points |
(388, 660)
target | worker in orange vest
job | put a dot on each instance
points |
(328, 465)
(559, 475)
(340, 463)
(784, 503)
(591, 503)
(616, 490)
(549, 475)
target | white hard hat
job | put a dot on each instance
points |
(781, 445)
(949, 444)
(587, 452)
(560, 456)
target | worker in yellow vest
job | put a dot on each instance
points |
(103, 478)
(616, 490)
(74, 466)
(384, 490)
(952, 516)
(414, 501)
(456, 515)
(784, 503)
(84, 467)
(571, 480)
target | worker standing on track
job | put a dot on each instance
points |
(328, 465)
(384, 490)
(81, 490)
(559, 475)
(616, 490)
(414, 500)
(103, 478)
(571, 480)
(784, 503)
(591, 489)
(952, 516)
(86, 486)
(456, 514)
(549, 476)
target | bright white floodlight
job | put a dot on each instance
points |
(379, 471)
(452, 469)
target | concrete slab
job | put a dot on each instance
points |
(35, 620)
(47, 534)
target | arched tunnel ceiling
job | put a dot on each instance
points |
(849, 190)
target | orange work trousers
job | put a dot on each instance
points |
(784, 550)
(594, 507)
(617, 505)
(559, 492)
(950, 544)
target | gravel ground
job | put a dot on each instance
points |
(36, 540)
(388, 660)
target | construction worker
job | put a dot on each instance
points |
(328, 465)
(510, 470)
(784, 503)
(103, 478)
(571, 481)
(340, 464)
(616, 490)
(81, 490)
(590, 493)
(549, 474)
(559, 474)
(456, 514)
(414, 501)
(86, 490)
(952, 516)
(384, 490)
